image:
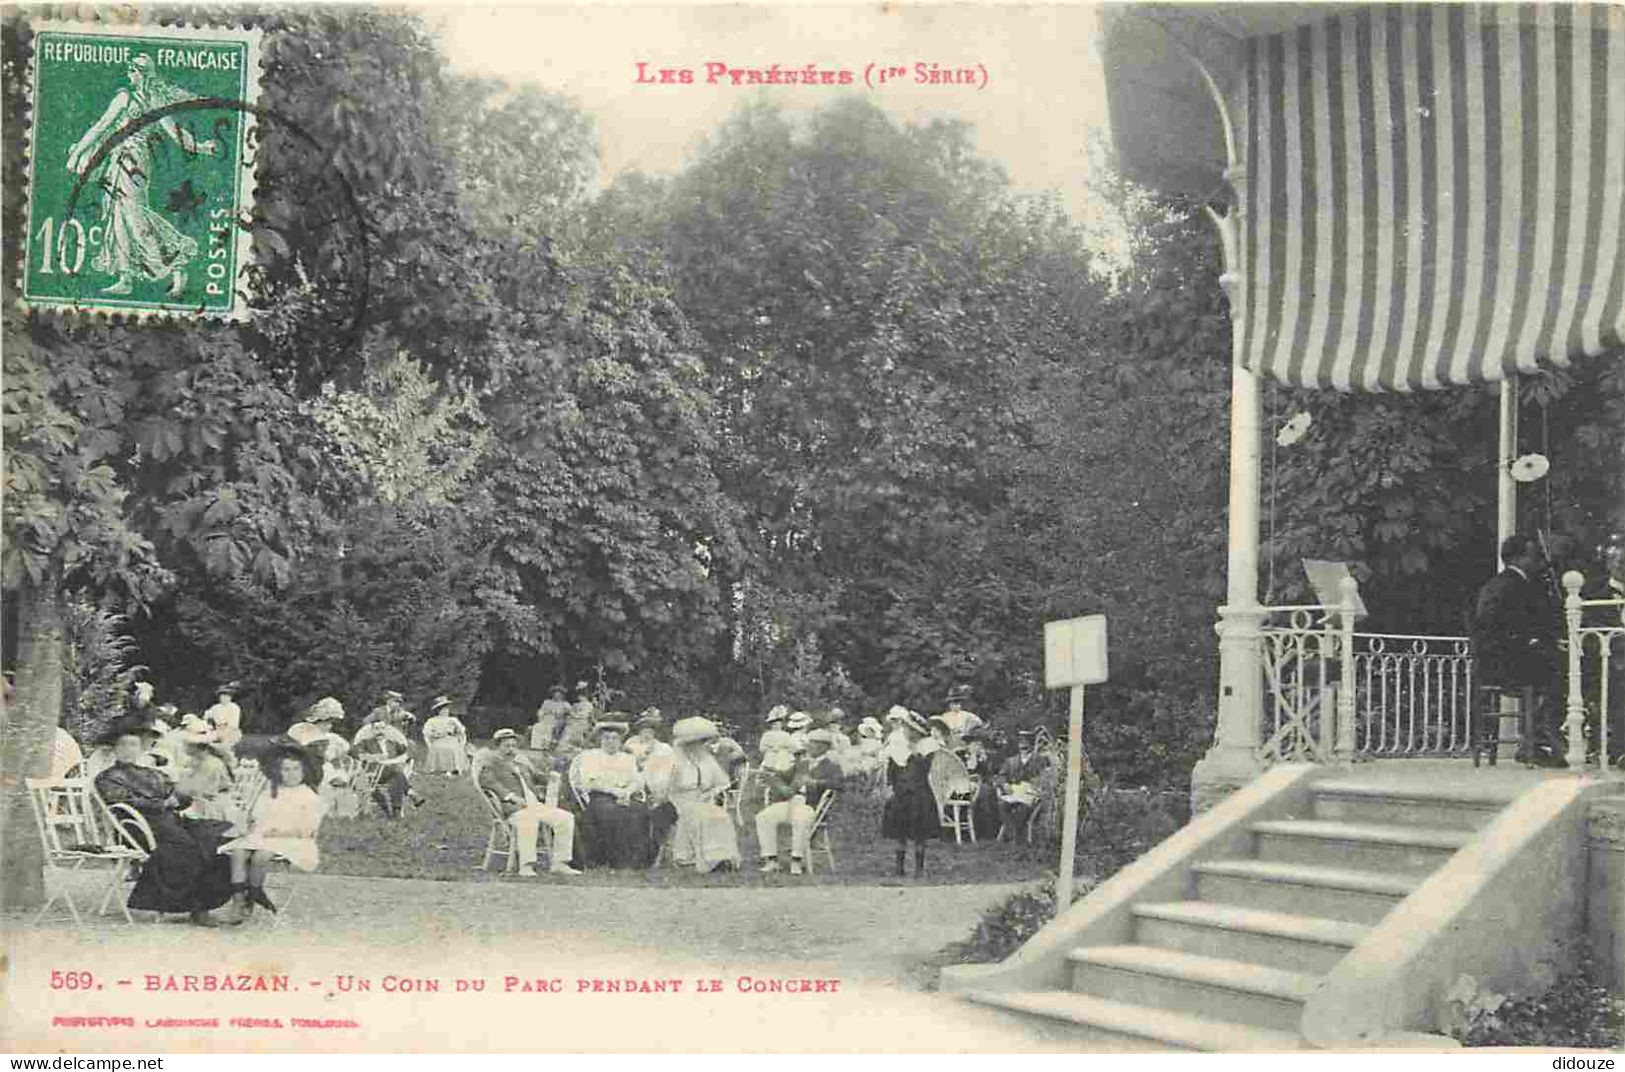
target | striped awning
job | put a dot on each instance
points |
(1435, 194)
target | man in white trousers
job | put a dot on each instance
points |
(513, 779)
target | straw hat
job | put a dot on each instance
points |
(898, 713)
(870, 727)
(689, 730)
(439, 702)
(777, 713)
(326, 709)
(651, 716)
(616, 721)
(800, 720)
(914, 722)
(504, 734)
(305, 733)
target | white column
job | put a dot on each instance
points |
(1232, 761)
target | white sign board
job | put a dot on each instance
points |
(1075, 652)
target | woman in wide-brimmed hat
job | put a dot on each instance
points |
(447, 739)
(705, 834)
(282, 822)
(911, 810)
(184, 872)
(204, 772)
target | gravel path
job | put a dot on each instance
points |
(870, 940)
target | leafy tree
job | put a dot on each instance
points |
(138, 449)
(872, 301)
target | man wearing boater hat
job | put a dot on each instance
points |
(514, 780)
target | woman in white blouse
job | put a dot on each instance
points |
(615, 820)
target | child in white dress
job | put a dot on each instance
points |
(282, 821)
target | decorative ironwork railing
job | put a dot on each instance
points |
(1301, 651)
(1413, 695)
(1331, 692)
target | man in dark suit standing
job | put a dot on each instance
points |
(1516, 623)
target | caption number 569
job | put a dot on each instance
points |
(72, 980)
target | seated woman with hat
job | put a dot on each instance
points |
(614, 823)
(705, 835)
(282, 822)
(655, 761)
(320, 724)
(225, 716)
(553, 713)
(185, 872)
(447, 739)
(204, 772)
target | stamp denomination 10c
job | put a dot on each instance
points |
(141, 169)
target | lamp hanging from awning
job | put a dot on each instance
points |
(1435, 195)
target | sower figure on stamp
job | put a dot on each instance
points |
(513, 779)
(1515, 628)
(138, 237)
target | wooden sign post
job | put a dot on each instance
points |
(1074, 656)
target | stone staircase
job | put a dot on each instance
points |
(1230, 967)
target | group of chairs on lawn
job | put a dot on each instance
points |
(745, 787)
(972, 803)
(91, 846)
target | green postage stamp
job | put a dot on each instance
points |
(141, 165)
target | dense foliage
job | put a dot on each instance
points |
(1569, 1009)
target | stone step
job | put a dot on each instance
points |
(1328, 892)
(1274, 939)
(1212, 987)
(1388, 848)
(1139, 1027)
(1450, 807)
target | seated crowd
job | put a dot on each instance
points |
(595, 789)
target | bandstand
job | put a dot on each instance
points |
(1418, 197)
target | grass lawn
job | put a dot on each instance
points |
(445, 840)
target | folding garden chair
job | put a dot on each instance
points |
(80, 836)
(503, 840)
(733, 797)
(818, 839)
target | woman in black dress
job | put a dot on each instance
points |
(911, 810)
(185, 872)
